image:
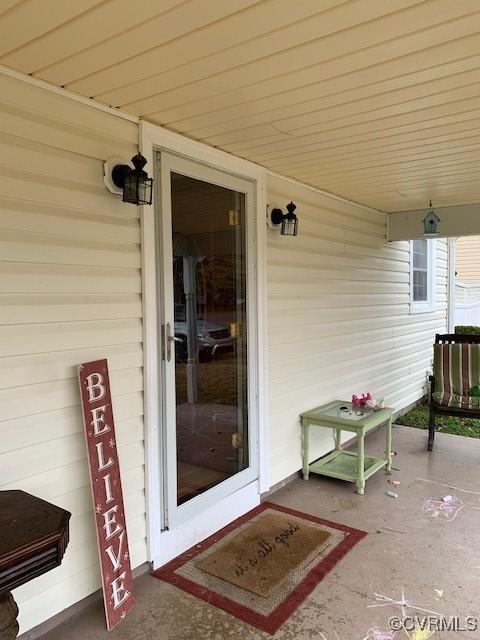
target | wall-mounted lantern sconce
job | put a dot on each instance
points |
(132, 183)
(288, 222)
(430, 223)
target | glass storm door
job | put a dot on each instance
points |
(209, 438)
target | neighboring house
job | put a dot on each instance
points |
(467, 285)
(331, 312)
(467, 259)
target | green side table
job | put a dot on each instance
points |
(346, 465)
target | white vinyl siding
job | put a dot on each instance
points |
(70, 292)
(339, 317)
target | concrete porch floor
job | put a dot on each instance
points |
(405, 549)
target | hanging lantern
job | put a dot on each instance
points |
(138, 187)
(430, 223)
(288, 221)
(134, 184)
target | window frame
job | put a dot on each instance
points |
(428, 305)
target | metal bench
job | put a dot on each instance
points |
(456, 369)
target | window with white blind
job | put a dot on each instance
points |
(422, 282)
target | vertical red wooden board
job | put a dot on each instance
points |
(107, 494)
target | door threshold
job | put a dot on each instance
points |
(174, 542)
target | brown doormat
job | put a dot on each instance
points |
(292, 586)
(262, 556)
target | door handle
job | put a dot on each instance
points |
(169, 338)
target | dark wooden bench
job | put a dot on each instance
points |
(443, 408)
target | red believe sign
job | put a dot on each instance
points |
(107, 491)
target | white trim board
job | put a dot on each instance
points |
(451, 252)
(457, 220)
(154, 138)
(89, 102)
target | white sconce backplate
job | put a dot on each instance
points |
(108, 166)
(270, 224)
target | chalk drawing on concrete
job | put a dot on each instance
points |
(449, 486)
(448, 509)
(402, 603)
(375, 633)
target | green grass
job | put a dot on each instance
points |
(418, 417)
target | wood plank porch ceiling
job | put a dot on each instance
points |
(374, 100)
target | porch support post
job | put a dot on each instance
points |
(451, 284)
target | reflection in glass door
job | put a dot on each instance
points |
(209, 271)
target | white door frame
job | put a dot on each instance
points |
(163, 546)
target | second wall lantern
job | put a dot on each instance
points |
(288, 222)
(133, 183)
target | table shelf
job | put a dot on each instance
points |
(344, 465)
